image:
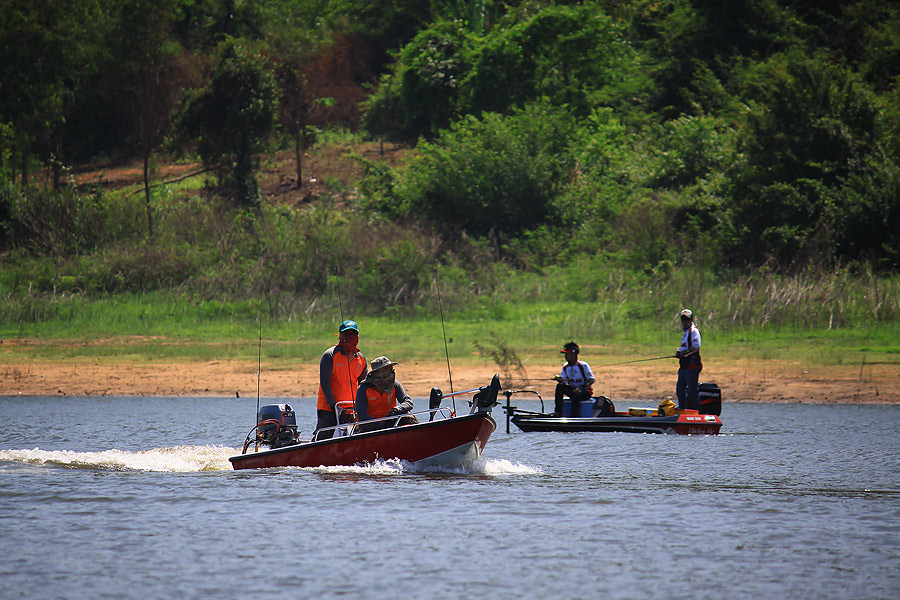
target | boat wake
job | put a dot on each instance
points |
(188, 459)
(176, 459)
(480, 466)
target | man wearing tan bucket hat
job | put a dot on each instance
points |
(381, 395)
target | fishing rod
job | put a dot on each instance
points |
(628, 362)
(460, 393)
(625, 362)
(349, 372)
(258, 369)
(437, 284)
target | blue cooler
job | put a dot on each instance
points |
(585, 408)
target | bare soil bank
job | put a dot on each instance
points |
(747, 381)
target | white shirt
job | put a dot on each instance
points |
(690, 339)
(571, 374)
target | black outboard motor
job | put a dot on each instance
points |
(710, 399)
(277, 426)
(604, 407)
(486, 398)
(434, 401)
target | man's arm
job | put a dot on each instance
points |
(692, 339)
(362, 404)
(325, 368)
(404, 402)
(365, 370)
(589, 374)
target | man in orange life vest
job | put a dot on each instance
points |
(381, 395)
(342, 368)
(690, 365)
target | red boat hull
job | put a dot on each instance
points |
(439, 442)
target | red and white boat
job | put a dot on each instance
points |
(439, 438)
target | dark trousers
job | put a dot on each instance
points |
(326, 418)
(576, 395)
(687, 388)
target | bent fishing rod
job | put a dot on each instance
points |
(626, 362)
(452, 395)
(258, 369)
(349, 372)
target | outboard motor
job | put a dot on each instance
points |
(277, 426)
(604, 407)
(486, 398)
(710, 399)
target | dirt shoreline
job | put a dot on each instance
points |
(748, 381)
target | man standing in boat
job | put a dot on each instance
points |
(381, 395)
(688, 355)
(342, 368)
(574, 382)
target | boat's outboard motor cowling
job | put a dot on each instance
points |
(434, 401)
(710, 399)
(277, 426)
(486, 398)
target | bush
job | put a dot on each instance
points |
(232, 118)
(62, 222)
(494, 175)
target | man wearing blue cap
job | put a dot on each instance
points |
(342, 368)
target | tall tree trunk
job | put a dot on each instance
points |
(24, 166)
(298, 156)
(147, 193)
(57, 160)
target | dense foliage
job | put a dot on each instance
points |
(654, 136)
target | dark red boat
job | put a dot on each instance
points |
(440, 438)
(601, 416)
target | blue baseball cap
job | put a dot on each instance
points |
(351, 325)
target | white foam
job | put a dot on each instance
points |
(176, 459)
(187, 459)
(394, 466)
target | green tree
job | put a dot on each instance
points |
(573, 55)
(811, 125)
(494, 175)
(232, 118)
(427, 77)
(47, 47)
(152, 68)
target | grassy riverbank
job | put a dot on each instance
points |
(159, 326)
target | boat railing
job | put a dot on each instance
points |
(351, 428)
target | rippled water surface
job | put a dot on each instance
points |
(134, 498)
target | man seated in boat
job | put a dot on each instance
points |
(381, 395)
(574, 382)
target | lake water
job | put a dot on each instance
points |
(134, 498)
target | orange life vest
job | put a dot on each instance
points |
(380, 403)
(344, 378)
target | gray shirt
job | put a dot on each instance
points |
(404, 402)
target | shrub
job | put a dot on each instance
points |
(491, 175)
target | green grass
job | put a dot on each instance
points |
(160, 327)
